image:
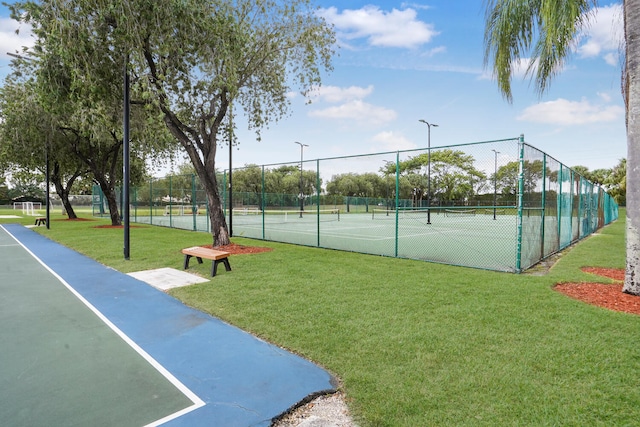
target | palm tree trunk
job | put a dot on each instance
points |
(632, 83)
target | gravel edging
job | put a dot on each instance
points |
(329, 410)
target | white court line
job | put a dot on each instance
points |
(197, 402)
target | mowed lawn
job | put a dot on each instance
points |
(415, 343)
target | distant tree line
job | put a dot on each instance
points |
(454, 180)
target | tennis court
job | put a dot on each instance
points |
(499, 205)
(462, 237)
(86, 345)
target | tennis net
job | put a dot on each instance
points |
(284, 216)
(488, 211)
(459, 212)
(403, 213)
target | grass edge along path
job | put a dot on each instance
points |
(418, 343)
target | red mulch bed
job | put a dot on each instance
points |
(236, 249)
(608, 296)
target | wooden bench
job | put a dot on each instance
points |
(216, 256)
(40, 221)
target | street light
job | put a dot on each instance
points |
(495, 182)
(126, 165)
(429, 167)
(301, 195)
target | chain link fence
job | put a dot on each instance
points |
(498, 205)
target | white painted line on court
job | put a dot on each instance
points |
(197, 402)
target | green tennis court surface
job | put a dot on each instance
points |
(61, 364)
(467, 238)
(85, 345)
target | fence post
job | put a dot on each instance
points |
(193, 201)
(318, 196)
(520, 203)
(262, 204)
(135, 205)
(543, 204)
(397, 198)
(559, 201)
(151, 201)
(170, 201)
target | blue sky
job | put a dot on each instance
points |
(400, 62)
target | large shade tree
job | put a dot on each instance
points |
(193, 59)
(545, 31)
(30, 138)
(85, 105)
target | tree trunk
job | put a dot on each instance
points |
(112, 201)
(217, 219)
(64, 197)
(103, 167)
(63, 191)
(206, 172)
(632, 82)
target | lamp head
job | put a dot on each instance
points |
(427, 123)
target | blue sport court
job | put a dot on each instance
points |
(83, 344)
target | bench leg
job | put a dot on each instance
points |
(214, 267)
(187, 258)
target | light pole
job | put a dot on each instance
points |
(301, 195)
(429, 167)
(495, 182)
(126, 165)
(230, 201)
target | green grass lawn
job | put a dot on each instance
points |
(415, 343)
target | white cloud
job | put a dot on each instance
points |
(519, 69)
(352, 108)
(405, 5)
(605, 96)
(566, 113)
(389, 141)
(337, 94)
(612, 58)
(358, 111)
(434, 51)
(521, 65)
(9, 40)
(603, 35)
(398, 28)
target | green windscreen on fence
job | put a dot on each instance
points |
(497, 205)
